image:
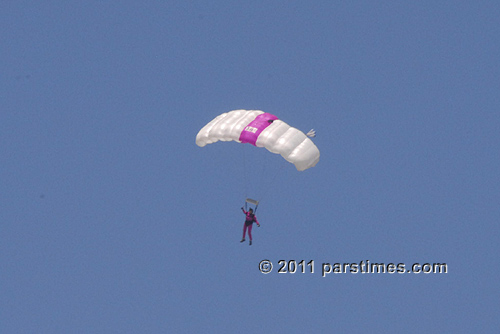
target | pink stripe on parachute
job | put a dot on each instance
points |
(252, 131)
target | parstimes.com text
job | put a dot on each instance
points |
(367, 267)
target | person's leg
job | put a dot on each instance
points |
(250, 231)
(244, 231)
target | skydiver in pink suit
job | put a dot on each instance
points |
(250, 218)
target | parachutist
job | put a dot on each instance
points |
(263, 130)
(249, 220)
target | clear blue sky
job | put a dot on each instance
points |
(112, 220)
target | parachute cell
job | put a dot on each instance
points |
(262, 130)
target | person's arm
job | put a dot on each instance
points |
(243, 211)
(255, 218)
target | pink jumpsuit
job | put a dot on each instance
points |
(250, 218)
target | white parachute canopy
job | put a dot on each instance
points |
(262, 130)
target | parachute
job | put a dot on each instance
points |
(262, 130)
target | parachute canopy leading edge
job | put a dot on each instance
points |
(262, 130)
